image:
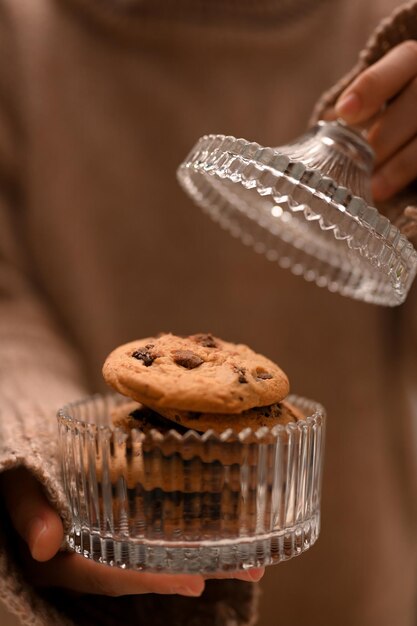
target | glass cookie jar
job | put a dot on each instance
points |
(190, 502)
(308, 206)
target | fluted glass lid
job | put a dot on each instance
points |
(306, 205)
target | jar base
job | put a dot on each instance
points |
(205, 557)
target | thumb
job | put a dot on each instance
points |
(31, 514)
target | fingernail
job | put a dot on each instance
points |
(37, 528)
(256, 574)
(348, 105)
(381, 189)
(188, 591)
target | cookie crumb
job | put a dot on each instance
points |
(187, 359)
(144, 355)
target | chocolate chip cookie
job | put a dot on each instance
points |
(197, 373)
(279, 413)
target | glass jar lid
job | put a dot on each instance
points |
(306, 205)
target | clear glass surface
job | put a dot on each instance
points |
(191, 502)
(306, 205)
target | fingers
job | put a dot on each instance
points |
(367, 94)
(395, 125)
(41, 529)
(31, 514)
(397, 173)
(72, 571)
(391, 82)
(407, 223)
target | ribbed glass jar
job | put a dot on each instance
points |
(190, 502)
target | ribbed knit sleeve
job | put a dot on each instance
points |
(38, 368)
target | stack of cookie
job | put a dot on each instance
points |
(200, 465)
(198, 382)
(191, 486)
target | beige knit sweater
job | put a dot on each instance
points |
(99, 102)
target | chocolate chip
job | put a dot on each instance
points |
(145, 355)
(261, 374)
(147, 419)
(205, 340)
(241, 371)
(273, 410)
(187, 359)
